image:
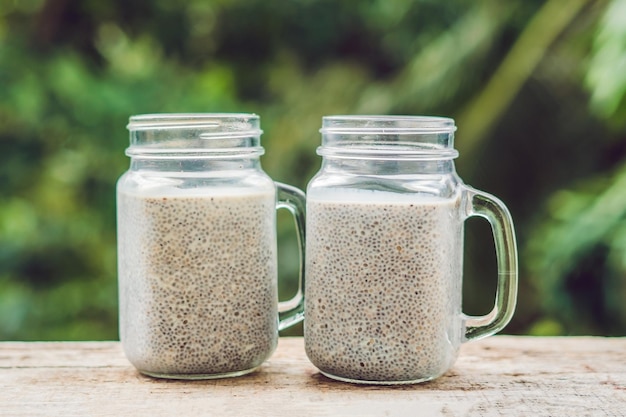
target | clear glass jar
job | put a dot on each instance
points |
(197, 247)
(384, 251)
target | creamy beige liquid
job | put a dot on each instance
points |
(383, 285)
(197, 281)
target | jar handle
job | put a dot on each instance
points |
(291, 312)
(491, 208)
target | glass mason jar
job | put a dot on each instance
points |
(384, 251)
(197, 247)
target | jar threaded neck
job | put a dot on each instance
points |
(194, 135)
(388, 137)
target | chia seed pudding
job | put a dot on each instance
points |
(197, 283)
(383, 287)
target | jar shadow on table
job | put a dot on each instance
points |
(449, 381)
(313, 381)
(324, 383)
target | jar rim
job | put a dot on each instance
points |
(244, 124)
(386, 124)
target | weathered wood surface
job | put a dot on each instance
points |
(499, 376)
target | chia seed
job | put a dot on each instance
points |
(197, 282)
(383, 287)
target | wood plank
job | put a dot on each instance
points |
(502, 375)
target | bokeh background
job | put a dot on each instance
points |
(538, 90)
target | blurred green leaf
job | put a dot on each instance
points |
(606, 76)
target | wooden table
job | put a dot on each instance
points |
(502, 375)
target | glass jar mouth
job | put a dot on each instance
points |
(388, 137)
(387, 125)
(194, 135)
(222, 123)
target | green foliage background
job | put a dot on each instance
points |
(538, 89)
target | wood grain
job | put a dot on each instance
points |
(502, 375)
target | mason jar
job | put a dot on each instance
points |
(384, 251)
(197, 245)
